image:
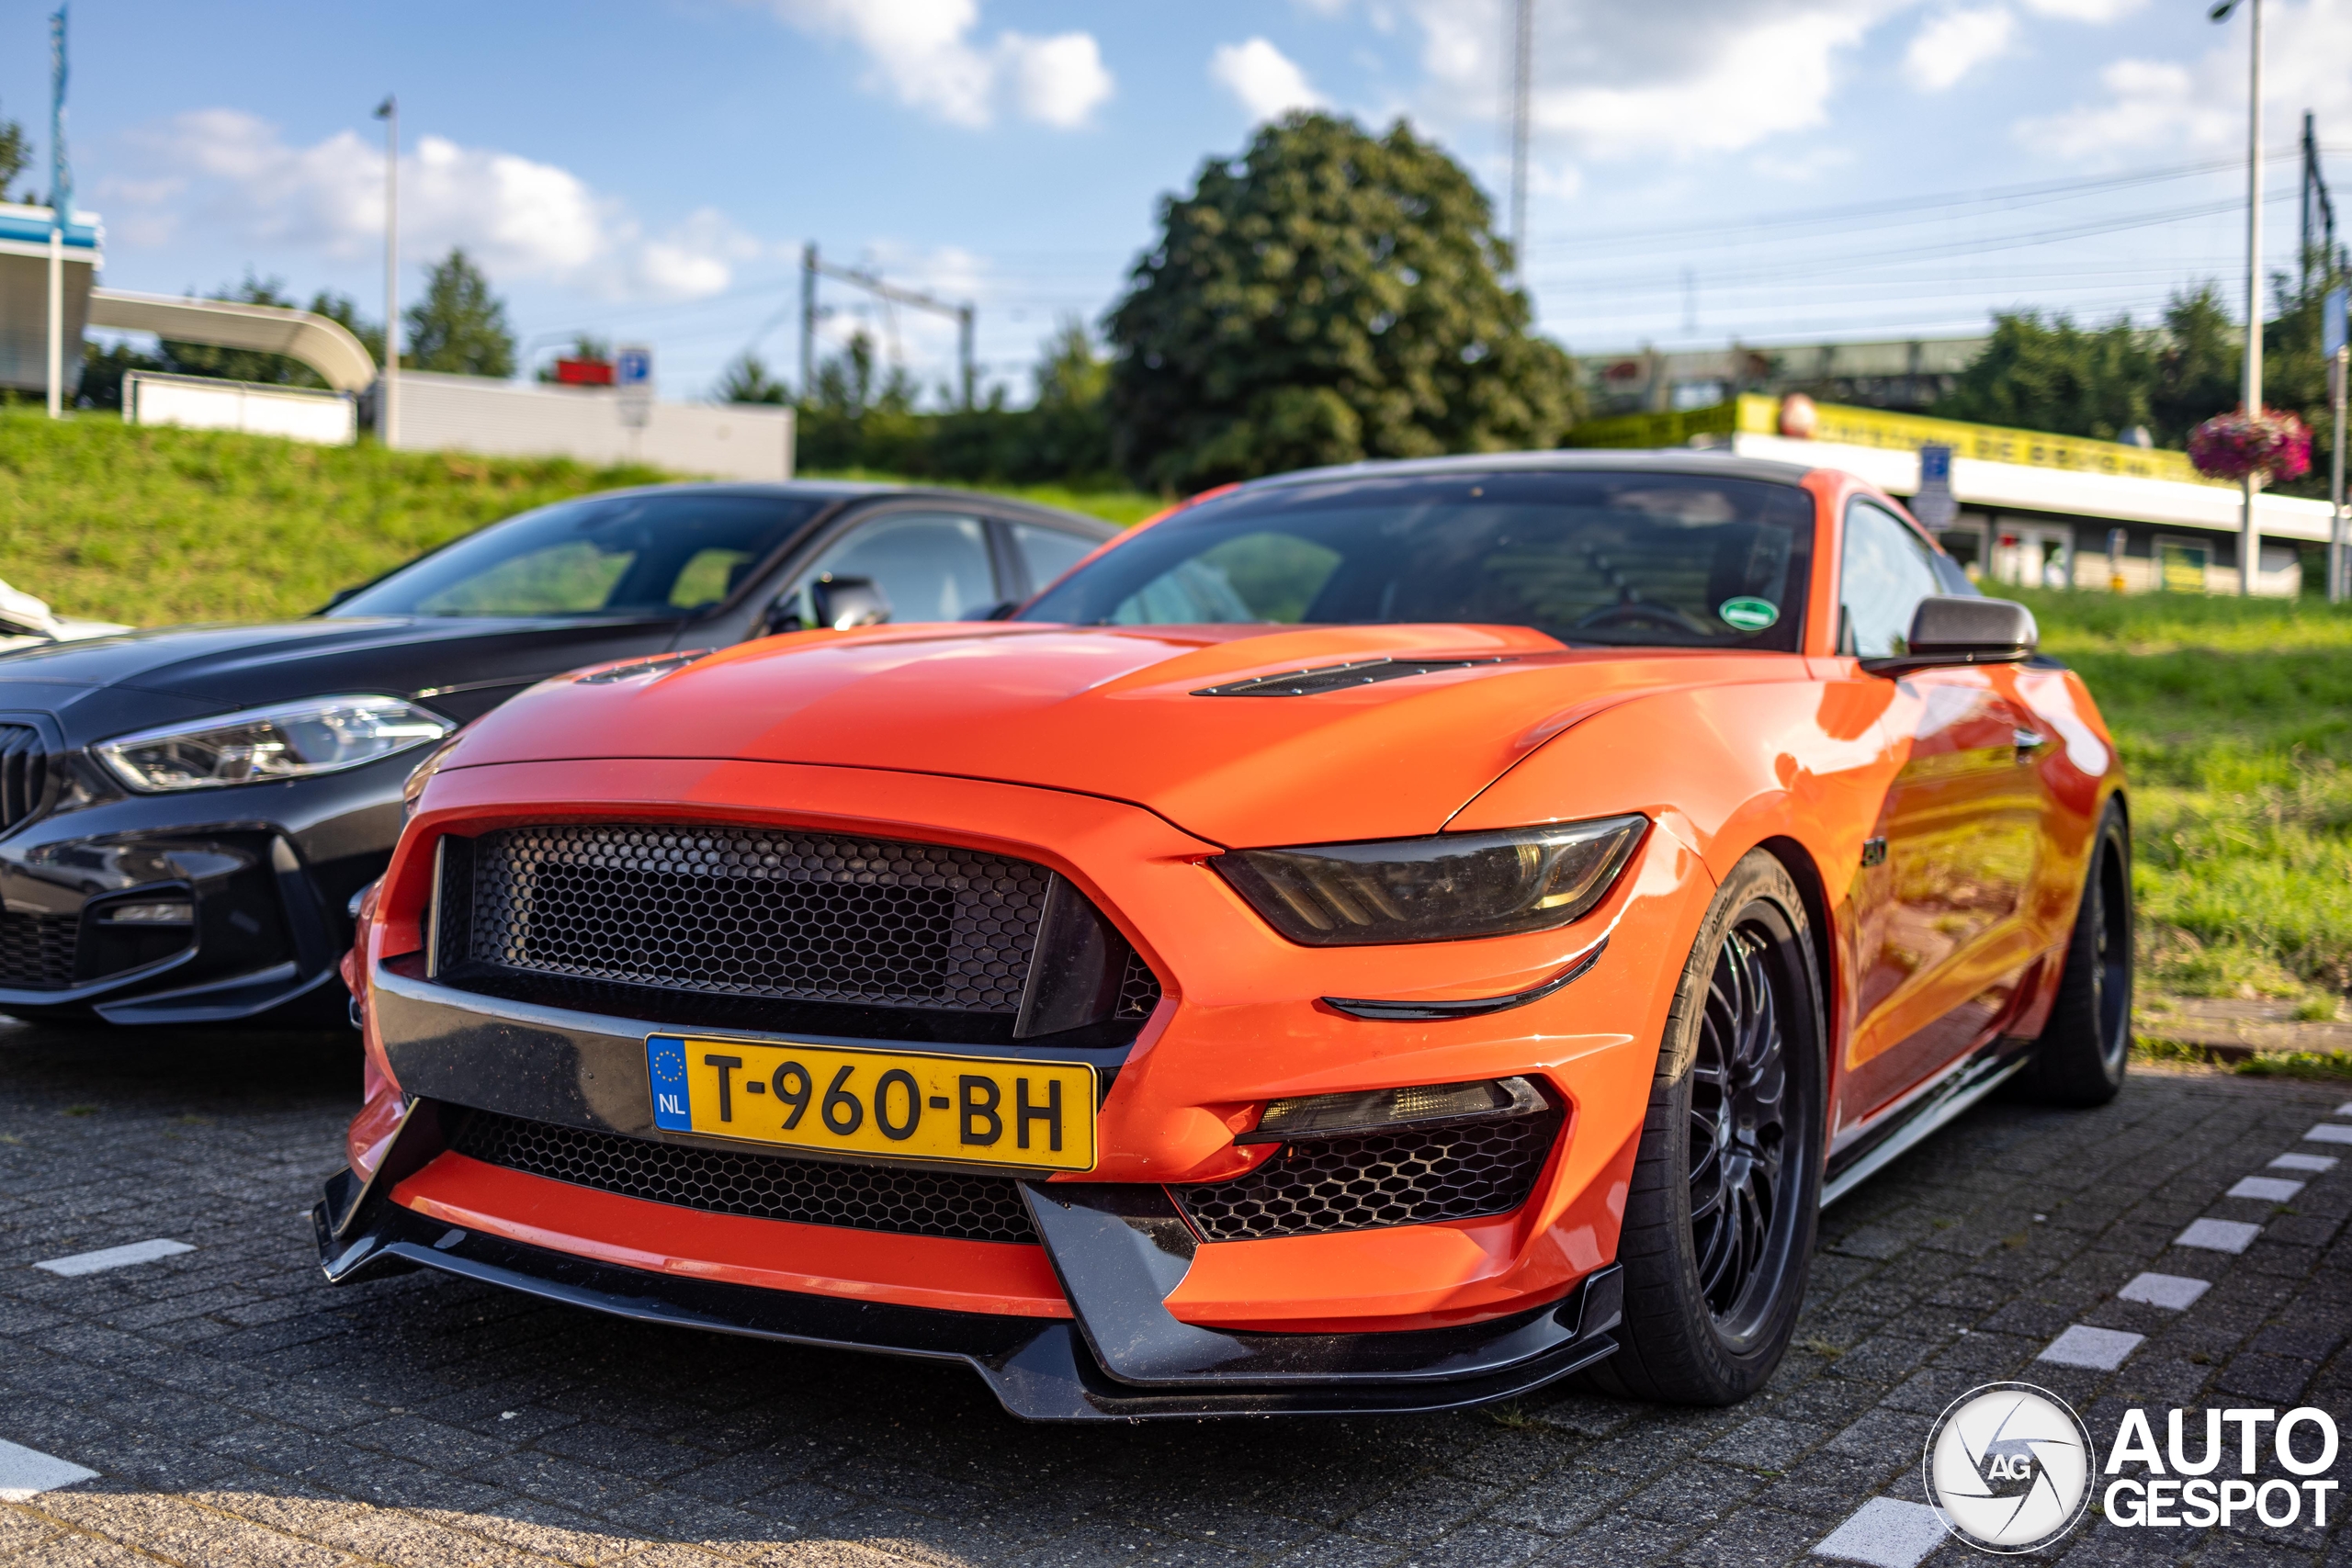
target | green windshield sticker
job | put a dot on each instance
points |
(1749, 614)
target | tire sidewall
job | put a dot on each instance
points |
(1758, 880)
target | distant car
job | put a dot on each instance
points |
(186, 814)
(1378, 938)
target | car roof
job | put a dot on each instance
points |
(1607, 459)
(859, 490)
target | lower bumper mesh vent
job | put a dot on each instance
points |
(37, 951)
(1410, 1178)
(760, 1186)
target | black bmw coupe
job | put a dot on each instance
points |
(186, 814)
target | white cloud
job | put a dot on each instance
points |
(924, 53)
(520, 218)
(1633, 81)
(2096, 11)
(1802, 168)
(2150, 106)
(1951, 44)
(1267, 82)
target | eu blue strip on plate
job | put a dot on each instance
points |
(665, 1067)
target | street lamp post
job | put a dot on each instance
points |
(60, 212)
(388, 415)
(2249, 539)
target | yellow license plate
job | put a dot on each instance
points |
(976, 1109)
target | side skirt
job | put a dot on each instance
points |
(1973, 1079)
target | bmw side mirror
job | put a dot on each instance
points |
(843, 603)
(1950, 629)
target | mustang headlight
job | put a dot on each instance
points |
(1435, 889)
(324, 734)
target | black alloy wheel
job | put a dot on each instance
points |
(1739, 1091)
(2084, 1050)
(1726, 1186)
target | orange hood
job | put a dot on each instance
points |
(1111, 712)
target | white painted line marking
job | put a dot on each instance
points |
(2218, 1236)
(2312, 1163)
(2276, 1189)
(2344, 1108)
(2328, 1133)
(113, 1258)
(2102, 1349)
(1887, 1533)
(2175, 1293)
(23, 1472)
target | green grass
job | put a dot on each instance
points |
(2234, 722)
(1124, 507)
(155, 526)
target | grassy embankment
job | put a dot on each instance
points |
(153, 526)
(2235, 720)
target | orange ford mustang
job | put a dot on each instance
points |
(1377, 938)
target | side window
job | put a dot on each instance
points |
(1883, 575)
(1048, 552)
(931, 567)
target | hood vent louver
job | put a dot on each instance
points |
(1337, 677)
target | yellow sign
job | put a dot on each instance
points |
(892, 1105)
(1842, 425)
(1848, 427)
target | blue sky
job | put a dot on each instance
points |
(1706, 169)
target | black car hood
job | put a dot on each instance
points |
(461, 666)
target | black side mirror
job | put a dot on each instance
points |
(843, 603)
(1950, 629)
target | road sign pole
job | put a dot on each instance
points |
(2336, 342)
(2339, 366)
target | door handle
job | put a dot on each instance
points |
(2028, 741)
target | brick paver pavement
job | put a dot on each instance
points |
(236, 1409)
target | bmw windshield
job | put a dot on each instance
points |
(1674, 560)
(656, 554)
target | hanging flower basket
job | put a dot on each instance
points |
(2272, 444)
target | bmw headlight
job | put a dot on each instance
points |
(323, 735)
(1435, 889)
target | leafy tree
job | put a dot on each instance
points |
(1327, 296)
(2049, 374)
(15, 156)
(746, 380)
(2197, 374)
(459, 326)
(1067, 432)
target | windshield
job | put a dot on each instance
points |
(1658, 559)
(661, 553)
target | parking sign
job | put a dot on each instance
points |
(633, 377)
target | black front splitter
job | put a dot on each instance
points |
(1040, 1369)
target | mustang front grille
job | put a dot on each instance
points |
(37, 951)
(763, 1186)
(755, 912)
(1406, 1177)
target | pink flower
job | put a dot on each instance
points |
(2274, 444)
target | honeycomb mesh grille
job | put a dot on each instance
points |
(1139, 988)
(1409, 1178)
(760, 1186)
(754, 913)
(37, 951)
